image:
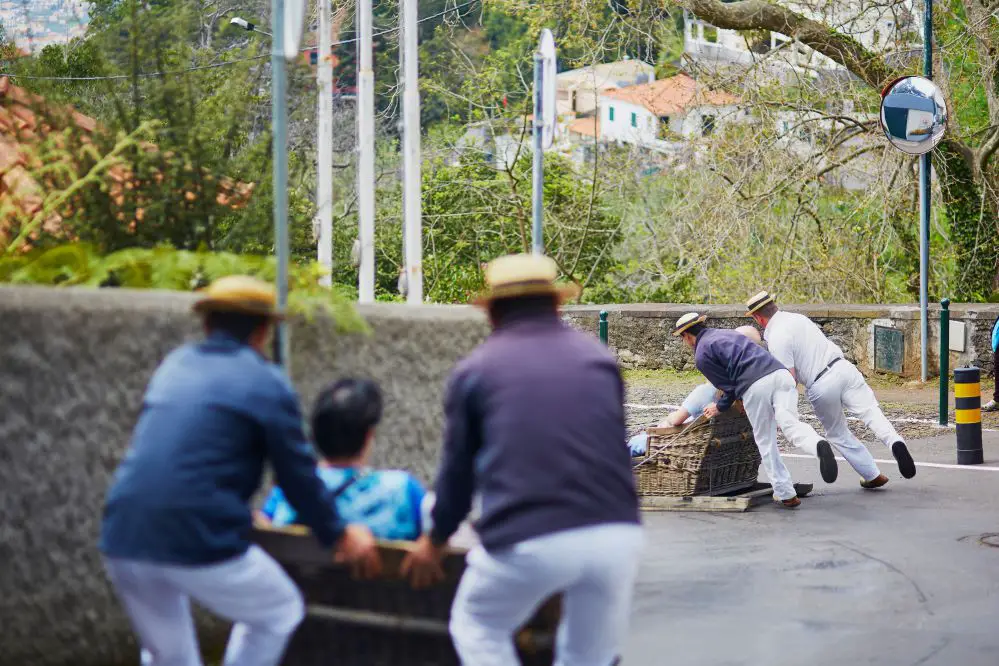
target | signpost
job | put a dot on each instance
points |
(545, 118)
(286, 20)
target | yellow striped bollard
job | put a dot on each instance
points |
(968, 415)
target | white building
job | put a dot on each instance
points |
(886, 29)
(665, 111)
(578, 90)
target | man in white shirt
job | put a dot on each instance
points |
(832, 385)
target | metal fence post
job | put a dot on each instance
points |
(944, 358)
(603, 326)
(968, 415)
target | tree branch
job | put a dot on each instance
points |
(762, 15)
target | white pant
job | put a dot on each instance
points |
(595, 569)
(252, 591)
(843, 387)
(772, 402)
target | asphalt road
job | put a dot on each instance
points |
(893, 577)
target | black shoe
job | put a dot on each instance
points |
(905, 464)
(827, 462)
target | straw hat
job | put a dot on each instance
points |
(686, 321)
(517, 275)
(757, 302)
(239, 293)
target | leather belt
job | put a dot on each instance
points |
(826, 369)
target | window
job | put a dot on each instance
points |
(707, 125)
(711, 34)
(634, 120)
(664, 131)
(610, 116)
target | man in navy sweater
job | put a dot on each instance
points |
(743, 370)
(535, 421)
(177, 518)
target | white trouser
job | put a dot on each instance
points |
(772, 402)
(844, 388)
(252, 591)
(594, 568)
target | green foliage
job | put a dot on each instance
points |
(474, 213)
(77, 264)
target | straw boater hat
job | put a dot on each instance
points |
(757, 302)
(686, 321)
(240, 294)
(517, 275)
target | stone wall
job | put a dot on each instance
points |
(640, 334)
(73, 366)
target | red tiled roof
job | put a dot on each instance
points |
(585, 126)
(671, 95)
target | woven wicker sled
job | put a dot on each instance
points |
(706, 457)
(382, 622)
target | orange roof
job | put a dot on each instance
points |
(585, 126)
(671, 95)
(26, 120)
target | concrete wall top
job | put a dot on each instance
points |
(74, 365)
(988, 311)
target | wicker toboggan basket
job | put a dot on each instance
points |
(383, 622)
(706, 457)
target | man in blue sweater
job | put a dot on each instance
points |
(177, 518)
(535, 422)
(743, 370)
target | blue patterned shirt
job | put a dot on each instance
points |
(386, 501)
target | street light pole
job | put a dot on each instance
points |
(324, 145)
(413, 232)
(924, 206)
(279, 121)
(366, 154)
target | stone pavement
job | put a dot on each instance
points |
(891, 577)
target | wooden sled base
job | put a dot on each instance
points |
(744, 500)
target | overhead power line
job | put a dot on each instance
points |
(227, 63)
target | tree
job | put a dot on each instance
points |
(964, 160)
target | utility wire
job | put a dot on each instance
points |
(121, 77)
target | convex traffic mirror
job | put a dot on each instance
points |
(913, 114)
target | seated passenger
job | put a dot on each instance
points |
(389, 502)
(693, 405)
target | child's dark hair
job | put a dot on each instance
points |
(344, 414)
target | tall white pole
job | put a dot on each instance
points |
(279, 122)
(324, 143)
(413, 232)
(538, 173)
(366, 154)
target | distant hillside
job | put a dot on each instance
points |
(34, 24)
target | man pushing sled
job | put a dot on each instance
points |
(832, 385)
(742, 369)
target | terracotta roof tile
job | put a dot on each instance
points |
(585, 126)
(671, 95)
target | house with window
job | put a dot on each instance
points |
(578, 90)
(664, 111)
(891, 28)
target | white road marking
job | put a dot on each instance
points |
(900, 419)
(918, 464)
